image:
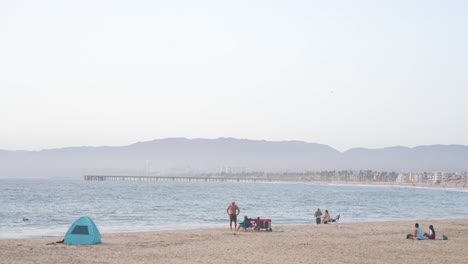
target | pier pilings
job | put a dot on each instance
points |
(171, 178)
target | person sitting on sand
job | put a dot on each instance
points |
(326, 218)
(431, 234)
(417, 234)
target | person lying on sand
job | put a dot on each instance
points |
(58, 242)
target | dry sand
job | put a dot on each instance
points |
(375, 242)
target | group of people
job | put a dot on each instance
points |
(419, 235)
(254, 223)
(324, 219)
(233, 211)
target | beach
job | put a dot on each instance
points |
(366, 242)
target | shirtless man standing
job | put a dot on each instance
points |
(233, 211)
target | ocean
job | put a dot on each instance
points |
(52, 205)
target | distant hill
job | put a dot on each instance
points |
(185, 156)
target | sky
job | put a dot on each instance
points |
(347, 74)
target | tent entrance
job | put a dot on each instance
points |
(80, 230)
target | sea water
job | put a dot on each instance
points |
(52, 205)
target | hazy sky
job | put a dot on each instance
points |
(343, 73)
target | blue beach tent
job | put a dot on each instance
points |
(83, 232)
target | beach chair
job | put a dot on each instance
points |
(247, 225)
(336, 219)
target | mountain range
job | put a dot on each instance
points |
(194, 156)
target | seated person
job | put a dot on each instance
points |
(326, 218)
(431, 234)
(417, 234)
(245, 224)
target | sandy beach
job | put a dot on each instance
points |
(373, 242)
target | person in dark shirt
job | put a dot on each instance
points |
(431, 234)
(318, 215)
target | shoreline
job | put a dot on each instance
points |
(362, 242)
(175, 229)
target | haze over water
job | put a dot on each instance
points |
(52, 205)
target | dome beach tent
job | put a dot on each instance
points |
(83, 232)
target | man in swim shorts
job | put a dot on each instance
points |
(233, 211)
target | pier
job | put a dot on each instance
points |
(175, 178)
(290, 178)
